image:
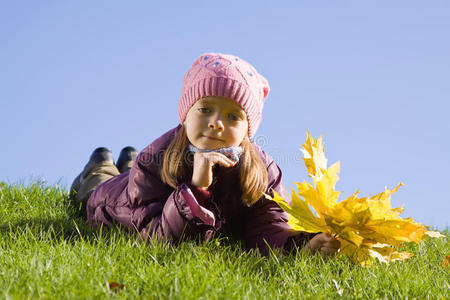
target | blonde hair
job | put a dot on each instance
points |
(253, 173)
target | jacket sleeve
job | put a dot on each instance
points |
(161, 211)
(266, 223)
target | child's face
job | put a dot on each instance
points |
(216, 122)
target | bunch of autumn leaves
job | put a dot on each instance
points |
(368, 228)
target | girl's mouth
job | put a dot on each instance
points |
(212, 138)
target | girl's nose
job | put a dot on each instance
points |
(216, 123)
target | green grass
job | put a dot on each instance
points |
(48, 251)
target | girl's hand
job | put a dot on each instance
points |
(324, 244)
(204, 162)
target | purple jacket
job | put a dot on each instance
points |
(139, 200)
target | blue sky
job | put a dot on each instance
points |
(372, 76)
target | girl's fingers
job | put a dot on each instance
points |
(331, 247)
(219, 158)
(328, 239)
(327, 244)
(225, 162)
(334, 244)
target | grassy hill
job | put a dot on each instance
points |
(48, 251)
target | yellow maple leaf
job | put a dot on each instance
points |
(302, 219)
(368, 228)
(314, 156)
(446, 261)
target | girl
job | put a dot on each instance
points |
(205, 175)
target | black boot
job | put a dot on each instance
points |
(99, 155)
(128, 154)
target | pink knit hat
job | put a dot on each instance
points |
(223, 75)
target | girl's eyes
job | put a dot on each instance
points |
(234, 117)
(231, 116)
(204, 110)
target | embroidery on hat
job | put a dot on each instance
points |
(218, 66)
